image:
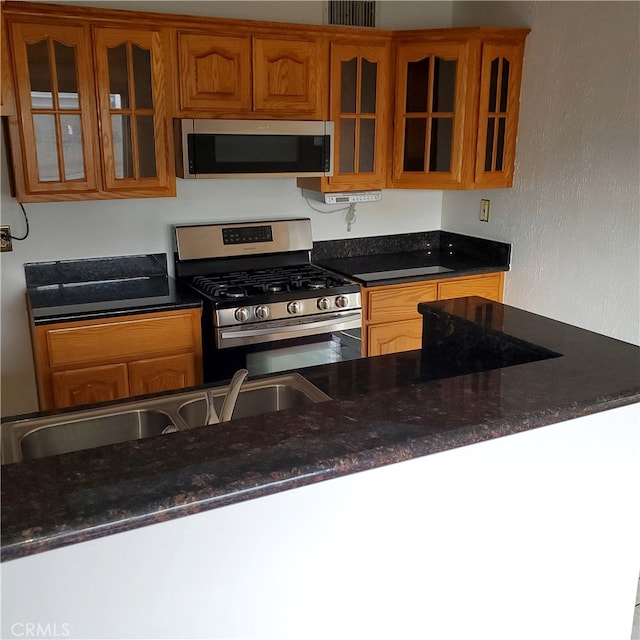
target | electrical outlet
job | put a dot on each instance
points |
(5, 238)
(484, 210)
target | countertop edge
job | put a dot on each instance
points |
(329, 469)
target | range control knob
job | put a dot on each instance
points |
(242, 314)
(342, 302)
(262, 312)
(294, 307)
(323, 304)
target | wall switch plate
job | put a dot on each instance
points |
(484, 210)
(5, 238)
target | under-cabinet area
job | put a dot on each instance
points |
(91, 96)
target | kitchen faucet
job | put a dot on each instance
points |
(229, 402)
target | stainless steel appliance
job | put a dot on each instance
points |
(215, 148)
(267, 308)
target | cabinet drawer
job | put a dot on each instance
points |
(397, 303)
(121, 341)
(484, 286)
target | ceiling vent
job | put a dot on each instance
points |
(354, 13)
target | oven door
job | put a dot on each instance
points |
(285, 353)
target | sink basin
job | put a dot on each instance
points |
(87, 433)
(256, 399)
(85, 429)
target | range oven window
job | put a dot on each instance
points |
(283, 355)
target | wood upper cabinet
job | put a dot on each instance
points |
(236, 74)
(390, 313)
(90, 361)
(456, 107)
(130, 80)
(430, 109)
(56, 106)
(215, 72)
(499, 105)
(7, 105)
(360, 108)
(288, 76)
(92, 120)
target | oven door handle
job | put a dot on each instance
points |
(335, 323)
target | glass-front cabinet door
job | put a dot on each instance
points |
(359, 109)
(132, 109)
(430, 103)
(54, 84)
(498, 114)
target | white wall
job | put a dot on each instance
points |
(573, 215)
(80, 230)
(531, 536)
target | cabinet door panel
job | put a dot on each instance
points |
(162, 374)
(131, 101)
(55, 97)
(93, 384)
(401, 302)
(215, 72)
(498, 116)
(287, 76)
(359, 108)
(485, 286)
(430, 107)
(395, 337)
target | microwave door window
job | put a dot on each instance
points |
(224, 153)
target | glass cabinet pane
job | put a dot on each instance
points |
(415, 133)
(367, 145)
(504, 85)
(146, 147)
(444, 85)
(118, 77)
(65, 58)
(348, 85)
(40, 74)
(142, 77)
(440, 149)
(493, 86)
(417, 98)
(46, 148)
(368, 86)
(347, 145)
(73, 158)
(122, 145)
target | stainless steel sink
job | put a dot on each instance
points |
(49, 440)
(75, 430)
(256, 399)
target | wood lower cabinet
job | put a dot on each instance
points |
(391, 319)
(98, 360)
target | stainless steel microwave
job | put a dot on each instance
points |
(216, 148)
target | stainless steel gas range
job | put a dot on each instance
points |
(267, 308)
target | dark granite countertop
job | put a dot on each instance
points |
(383, 260)
(384, 410)
(68, 290)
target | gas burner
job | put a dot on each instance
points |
(274, 287)
(234, 292)
(316, 284)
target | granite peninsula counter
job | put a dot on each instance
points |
(383, 410)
